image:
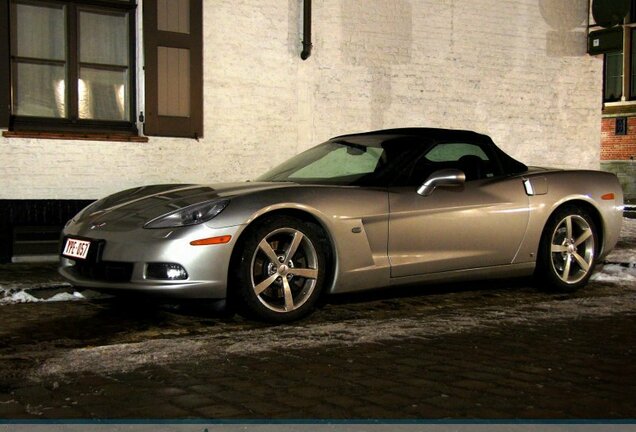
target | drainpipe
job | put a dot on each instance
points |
(306, 30)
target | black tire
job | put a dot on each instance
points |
(568, 250)
(273, 291)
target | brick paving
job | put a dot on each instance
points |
(480, 350)
(555, 370)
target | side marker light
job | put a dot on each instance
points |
(212, 240)
(607, 197)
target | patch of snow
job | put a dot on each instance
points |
(617, 274)
(622, 255)
(620, 267)
(65, 296)
(12, 296)
(628, 228)
(18, 297)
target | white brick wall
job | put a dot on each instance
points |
(514, 69)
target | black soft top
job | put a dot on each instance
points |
(430, 133)
(433, 135)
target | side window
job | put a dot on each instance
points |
(452, 152)
(467, 157)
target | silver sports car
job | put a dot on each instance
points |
(362, 211)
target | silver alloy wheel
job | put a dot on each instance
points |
(284, 270)
(572, 249)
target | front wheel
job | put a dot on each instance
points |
(568, 249)
(281, 269)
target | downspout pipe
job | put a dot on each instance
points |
(306, 30)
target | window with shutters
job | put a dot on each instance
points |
(72, 67)
(619, 67)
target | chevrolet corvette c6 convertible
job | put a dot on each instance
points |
(358, 212)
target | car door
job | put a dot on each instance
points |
(480, 223)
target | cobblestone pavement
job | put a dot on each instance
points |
(476, 350)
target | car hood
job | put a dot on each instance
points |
(139, 205)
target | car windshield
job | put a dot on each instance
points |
(339, 163)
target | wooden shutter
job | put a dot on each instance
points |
(5, 65)
(173, 50)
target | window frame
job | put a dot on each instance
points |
(5, 65)
(72, 123)
(631, 85)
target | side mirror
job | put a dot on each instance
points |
(445, 177)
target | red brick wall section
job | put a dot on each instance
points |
(618, 147)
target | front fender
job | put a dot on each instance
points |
(355, 222)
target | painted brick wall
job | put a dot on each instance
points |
(618, 147)
(514, 69)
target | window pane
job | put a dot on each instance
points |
(613, 76)
(39, 90)
(173, 16)
(471, 159)
(633, 62)
(40, 32)
(173, 81)
(103, 38)
(452, 152)
(103, 94)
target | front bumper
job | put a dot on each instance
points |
(207, 266)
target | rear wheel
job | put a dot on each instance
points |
(281, 269)
(568, 249)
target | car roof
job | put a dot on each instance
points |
(386, 136)
(382, 135)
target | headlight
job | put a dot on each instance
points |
(191, 215)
